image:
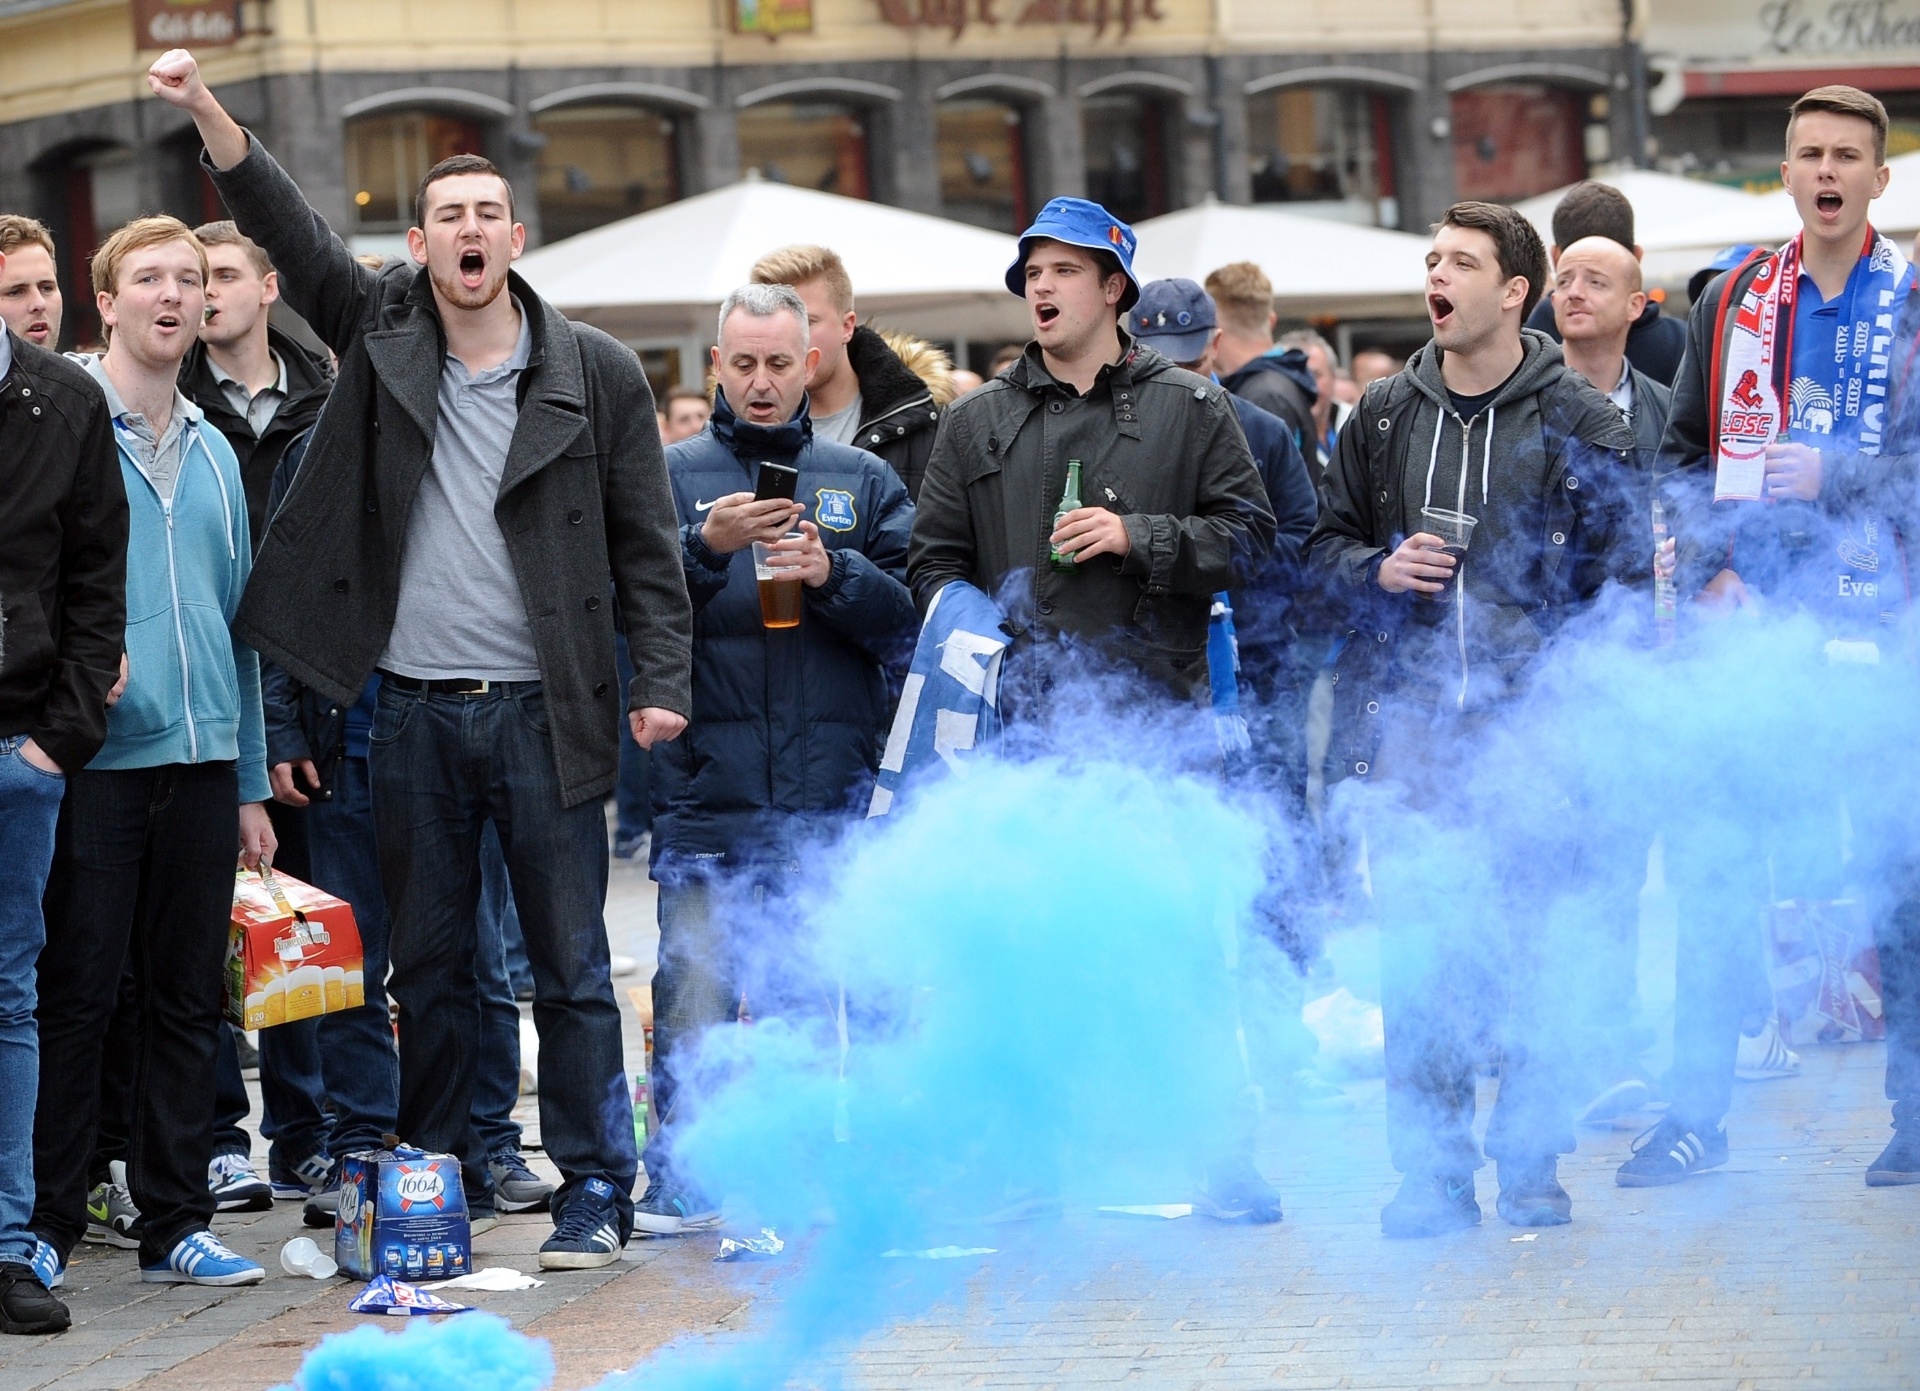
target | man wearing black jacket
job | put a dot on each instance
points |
(483, 469)
(1250, 365)
(862, 394)
(63, 552)
(258, 386)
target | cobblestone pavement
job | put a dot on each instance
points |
(1781, 1269)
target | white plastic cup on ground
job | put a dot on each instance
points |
(302, 1256)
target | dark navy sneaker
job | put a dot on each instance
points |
(668, 1209)
(588, 1232)
(1235, 1192)
(1430, 1205)
(1671, 1153)
(235, 1186)
(1531, 1195)
(1898, 1163)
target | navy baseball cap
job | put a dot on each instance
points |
(1175, 318)
(1728, 258)
(1077, 222)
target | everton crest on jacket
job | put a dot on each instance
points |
(787, 723)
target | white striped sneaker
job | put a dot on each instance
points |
(1764, 1056)
(199, 1258)
(1670, 1153)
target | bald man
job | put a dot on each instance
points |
(1597, 299)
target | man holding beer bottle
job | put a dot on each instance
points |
(1168, 507)
(795, 550)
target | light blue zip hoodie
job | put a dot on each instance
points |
(193, 689)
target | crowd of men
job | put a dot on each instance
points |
(400, 616)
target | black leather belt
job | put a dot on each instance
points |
(450, 685)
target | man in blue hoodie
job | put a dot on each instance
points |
(144, 849)
(788, 722)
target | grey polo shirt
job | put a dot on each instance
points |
(259, 409)
(460, 612)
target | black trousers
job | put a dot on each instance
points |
(142, 878)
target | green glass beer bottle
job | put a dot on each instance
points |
(1069, 502)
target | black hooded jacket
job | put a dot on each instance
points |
(1159, 445)
(897, 410)
(309, 380)
(1546, 468)
(1281, 383)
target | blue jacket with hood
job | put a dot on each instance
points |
(193, 688)
(787, 724)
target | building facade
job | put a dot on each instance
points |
(1381, 111)
(1724, 71)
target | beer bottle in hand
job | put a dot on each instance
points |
(1069, 502)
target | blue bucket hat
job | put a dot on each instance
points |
(1077, 222)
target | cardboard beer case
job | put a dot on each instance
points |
(402, 1213)
(293, 952)
(1824, 971)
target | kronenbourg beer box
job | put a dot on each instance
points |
(402, 1213)
(292, 952)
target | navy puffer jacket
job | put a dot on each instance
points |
(788, 725)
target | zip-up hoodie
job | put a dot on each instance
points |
(193, 689)
(1543, 467)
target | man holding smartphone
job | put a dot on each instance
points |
(789, 720)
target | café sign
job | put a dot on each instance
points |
(955, 15)
(1716, 33)
(184, 24)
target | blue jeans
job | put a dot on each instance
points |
(496, 1083)
(443, 766)
(29, 809)
(356, 1064)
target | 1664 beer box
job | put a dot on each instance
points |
(402, 1213)
(293, 952)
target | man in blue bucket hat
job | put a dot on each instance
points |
(1173, 507)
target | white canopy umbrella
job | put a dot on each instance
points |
(1661, 202)
(662, 274)
(1771, 219)
(1317, 266)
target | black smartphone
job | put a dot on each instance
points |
(776, 481)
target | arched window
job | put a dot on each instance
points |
(601, 163)
(1126, 141)
(389, 152)
(1513, 140)
(981, 147)
(809, 144)
(1329, 146)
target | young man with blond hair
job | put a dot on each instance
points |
(1276, 379)
(30, 302)
(864, 393)
(144, 851)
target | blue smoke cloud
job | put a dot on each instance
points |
(474, 1350)
(1053, 969)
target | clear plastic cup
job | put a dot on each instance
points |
(779, 587)
(1455, 530)
(302, 1256)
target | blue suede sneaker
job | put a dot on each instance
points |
(47, 1266)
(199, 1258)
(588, 1232)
